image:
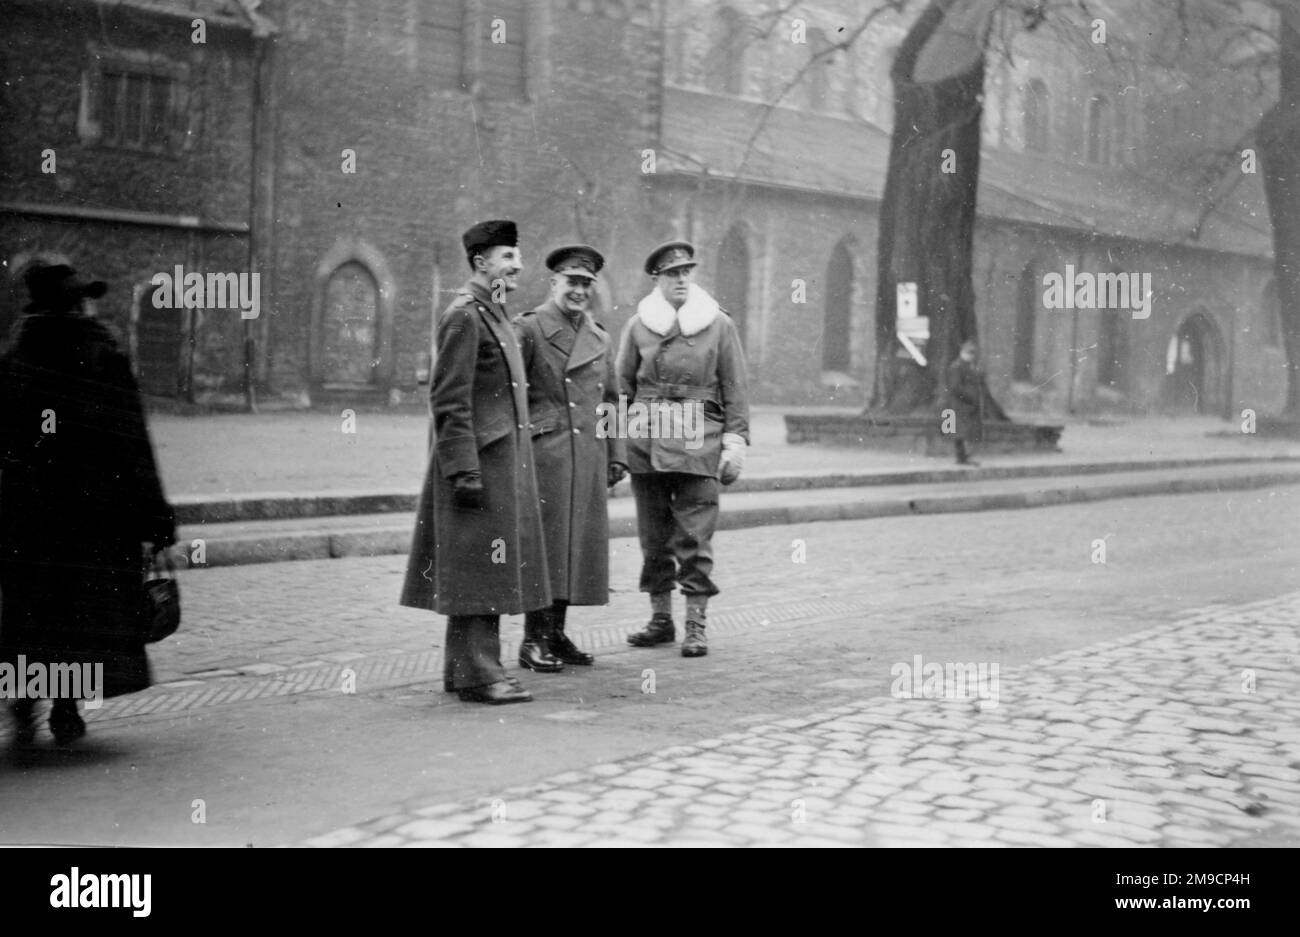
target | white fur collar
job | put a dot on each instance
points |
(696, 314)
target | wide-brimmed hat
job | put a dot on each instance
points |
(53, 284)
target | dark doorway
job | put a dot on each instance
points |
(350, 353)
(1193, 368)
(837, 349)
(733, 278)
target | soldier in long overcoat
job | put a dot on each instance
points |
(478, 551)
(681, 350)
(570, 364)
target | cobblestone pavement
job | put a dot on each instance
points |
(250, 720)
(1187, 734)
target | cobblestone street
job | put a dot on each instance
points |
(1182, 735)
(1147, 699)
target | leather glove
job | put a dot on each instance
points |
(615, 473)
(733, 457)
(467, 491)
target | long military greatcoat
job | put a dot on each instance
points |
(570, 374)
(489, 561)
(690, 357)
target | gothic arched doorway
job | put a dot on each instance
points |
(1194, 367)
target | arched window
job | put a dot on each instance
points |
(1112, 349)
(725, 60)
(1022, 359)
(816, 78)
(1038, 117)
(1101, 130)
(1271, 313)
(733, 277)
(837, 350)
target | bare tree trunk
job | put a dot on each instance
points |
(927, 219)
(1279, 144)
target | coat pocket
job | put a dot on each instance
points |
(544, 422)
(492, 430)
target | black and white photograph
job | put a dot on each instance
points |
(652, 423)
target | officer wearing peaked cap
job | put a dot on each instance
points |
(570, 363)
(682, 349)
(478, 551)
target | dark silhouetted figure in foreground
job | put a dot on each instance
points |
(79, 497)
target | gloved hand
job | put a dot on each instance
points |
(467, 491)
(733, 457)
(615, 473)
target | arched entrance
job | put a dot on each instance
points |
(733, 278)
(837, 344)
(1194, 367)
(351, 342)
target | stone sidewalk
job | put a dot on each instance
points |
(309, 452)
(1181, 735)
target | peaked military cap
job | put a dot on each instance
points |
(576, 260)
(670, 256)
(485, 234)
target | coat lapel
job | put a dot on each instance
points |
(494, 317)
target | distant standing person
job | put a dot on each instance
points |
(79, 497)
(478, 552)
(966, 400)
(682, 349)
(570, 364)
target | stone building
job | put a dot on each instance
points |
(338, 147)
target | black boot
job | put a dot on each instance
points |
(660, 630)
(534, 651)
(65, 722)
(561, 646)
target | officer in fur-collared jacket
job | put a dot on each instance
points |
(682, 350)
(569, 359)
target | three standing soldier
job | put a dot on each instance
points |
(569, 361)
(478, 549)
(681, 349)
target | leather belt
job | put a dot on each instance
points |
(675, 392)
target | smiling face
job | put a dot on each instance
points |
(500, 264)
(675, 284)
(572, 292)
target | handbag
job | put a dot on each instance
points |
(162, 598)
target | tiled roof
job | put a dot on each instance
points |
(815, 153)
(229, 11)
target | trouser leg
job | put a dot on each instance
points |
(654, 524)
(695, 516)
(474, 650)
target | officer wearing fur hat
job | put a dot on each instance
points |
(570, 364)
(682, 349)
(478, 552)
